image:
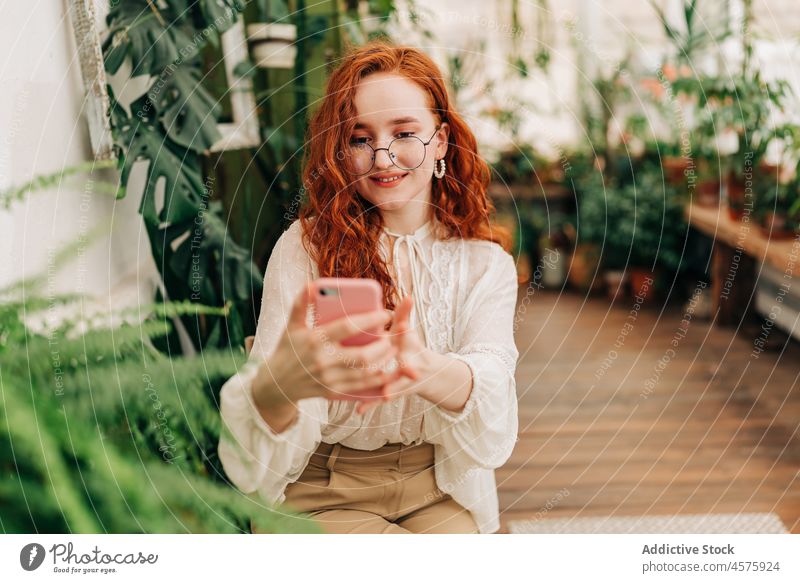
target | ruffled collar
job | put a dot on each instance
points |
(419, 234)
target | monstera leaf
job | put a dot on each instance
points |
(136, 31)
(221, 14)
(206, 15)
(186, 110)
(156, 37)
(200, 262)
(180, 168)
(240, 275)
(168, 129)
(178, 100)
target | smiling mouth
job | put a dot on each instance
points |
(389, 180)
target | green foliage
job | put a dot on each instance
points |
(693, 35)
(359, 30)
(15, 194)
(170, 128)
(523, 165)
(515, 166)
(273, 10)
(773, 196)
(637, 223)
(179, 168)
(198, 264)
(545, 25)
(743, 104)
(99, 432)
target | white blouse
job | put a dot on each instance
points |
(465, 297)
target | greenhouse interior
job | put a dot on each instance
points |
(637, 163)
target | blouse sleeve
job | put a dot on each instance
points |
(254, 456)
(484, 432)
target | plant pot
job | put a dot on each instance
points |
(643, 284)
(737, 195)
(553, 266)
(273, 44)
(707, 192)
(774, 226)
(584, 268)
(675, 169)
(616, 283)
(769, 170)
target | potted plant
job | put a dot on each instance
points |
(778, 209)
(748, 105)
(522, 165)
(702, 165)
(553, 252)
(652, 225)
(587, 233)
(515, 165)
(777, 186)
(584, 267)
(628, 243)
(616, 248)
(273, 41)
(708, 179)
(674, 163)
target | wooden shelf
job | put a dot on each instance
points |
(717, 224)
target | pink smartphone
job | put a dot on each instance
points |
(337, 297)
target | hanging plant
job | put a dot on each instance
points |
(273, 41)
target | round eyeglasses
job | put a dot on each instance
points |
(407, 153)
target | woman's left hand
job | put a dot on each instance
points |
(410, 357)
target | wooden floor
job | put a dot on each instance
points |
(716, 430)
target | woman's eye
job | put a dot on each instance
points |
(361, 140)
(405, 134)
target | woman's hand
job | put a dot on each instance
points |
(312, 362)
(412, 356)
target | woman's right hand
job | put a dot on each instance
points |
(312, 362)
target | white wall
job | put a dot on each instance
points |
(43, 129)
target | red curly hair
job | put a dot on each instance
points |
(343, 237)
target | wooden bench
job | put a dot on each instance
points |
(739, 248)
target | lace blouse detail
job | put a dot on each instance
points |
(442, 304)
(465, 298)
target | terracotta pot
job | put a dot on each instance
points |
(584, 266)
(707, 192)
(616, 283)
(736, 196)
(769, 170)
(773, 226)
(643, 284)
(675, 169)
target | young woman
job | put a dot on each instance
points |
(397, 193)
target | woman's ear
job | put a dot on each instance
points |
(443, 135)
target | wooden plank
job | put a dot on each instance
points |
(715, 222)
(718, 434)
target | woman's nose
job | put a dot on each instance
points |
(383, 159)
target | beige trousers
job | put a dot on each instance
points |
(388, 490)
